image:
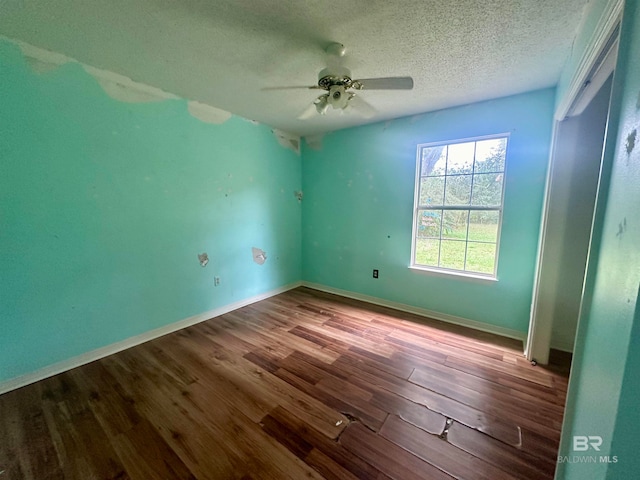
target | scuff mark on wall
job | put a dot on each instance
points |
(622, 228)
(298, 194)
(287, 140)
(259, 256)
(631, 141)
(207, 113)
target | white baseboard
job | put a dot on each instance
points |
(423, 312)
(107, 350)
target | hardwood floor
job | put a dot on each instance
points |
(302, 385)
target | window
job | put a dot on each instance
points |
(458, 205)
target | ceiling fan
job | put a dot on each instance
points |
(341, 88)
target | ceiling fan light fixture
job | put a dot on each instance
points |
(338, 97)
(322, 104)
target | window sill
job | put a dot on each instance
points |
(453, 274)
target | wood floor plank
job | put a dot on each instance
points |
(391, 459)
(439, 453)
(82, 447)
(518, 462)
(26, 447)
(146, 455)
(344, 407)
(332, 449)
(304, 384)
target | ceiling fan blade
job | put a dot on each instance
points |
(386, 83)
(300, 87)
(363, 107)
(308, 112)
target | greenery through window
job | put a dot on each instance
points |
(458, 207)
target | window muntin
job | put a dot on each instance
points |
(458, 205)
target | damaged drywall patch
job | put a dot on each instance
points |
(207, 113)
(298, 194)
(259, 256)
(287, 140)
(314, 142)
(203, 258)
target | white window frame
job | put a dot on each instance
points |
(417, 207)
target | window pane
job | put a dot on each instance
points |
(456, 183)
(490, 155)
(432, 191)
(483, 226)
(427, 250)
(458, 190)
(481, 257)
(454, 224)
(460, 158)
(452, 254)
(487, 189)
(429, 223)
(434, 161)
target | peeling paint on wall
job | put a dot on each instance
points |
(287, 140)
(127, 94)
(259, 256)
(124, 89)
(207, 113)
(314, 142)
(40, 67)
(118, 87)
(38, 56)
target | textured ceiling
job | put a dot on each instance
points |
(223, 52)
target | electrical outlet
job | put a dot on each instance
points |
(375, 273)
(216, 281)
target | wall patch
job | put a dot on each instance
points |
(314, 142)
(287, 140)
(127, 94)
(207, 113)
(259, 256)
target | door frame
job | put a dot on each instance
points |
(538, 344)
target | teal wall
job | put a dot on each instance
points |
(603, 389)
(358, 207)
(105, 205)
